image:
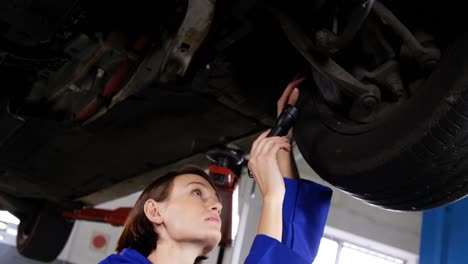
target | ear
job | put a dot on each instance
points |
(153, 211)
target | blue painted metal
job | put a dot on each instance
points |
(444, 236)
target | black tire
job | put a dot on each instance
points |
(417, 159)
(43, 236)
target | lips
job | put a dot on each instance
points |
(213, 218)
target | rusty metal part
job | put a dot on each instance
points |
(433, 53)
(364, 108)
(366, 97)
(424, 55)
(374, 44)
(426, 63)
(147, 72)
(82, 70)
(332, 43)
(125, 70)
(190, 36)
(174, 58)
(387, 76)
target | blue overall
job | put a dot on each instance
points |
(305, 211)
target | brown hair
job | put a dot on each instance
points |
(139, 233)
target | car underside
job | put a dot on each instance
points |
(97, 94)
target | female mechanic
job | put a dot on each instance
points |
(176, 218)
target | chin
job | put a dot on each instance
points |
(212, 240)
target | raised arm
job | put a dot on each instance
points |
(286, 162)
(292, 221)
(264, 166)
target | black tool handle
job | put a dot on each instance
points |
(285, 121)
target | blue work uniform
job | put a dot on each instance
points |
(126, 256)
(305, 211)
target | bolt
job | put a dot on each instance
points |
(369, 102)
(325, 38)
(100, 73)
(173, 66)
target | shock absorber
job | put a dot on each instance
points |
(225, 169)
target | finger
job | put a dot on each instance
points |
(297, 82)
(259, 138)
(273, 149)
(261, 145)
(287, 92)
(293, 96)
(284, 97)
(266, 142)
(290, 87)
(269, 145)
(297, 76)
(255, 148)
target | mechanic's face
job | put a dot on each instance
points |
(191, 212)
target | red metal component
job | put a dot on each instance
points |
(118, 79)
(223, 177)
(115, 217)
(226, 182)
(90, 110)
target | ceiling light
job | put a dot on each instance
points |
(12, 232)
(7, 217)
(3, 226)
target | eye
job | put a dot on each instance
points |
(197, 192)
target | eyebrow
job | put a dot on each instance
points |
(206, 187)
(199, 183)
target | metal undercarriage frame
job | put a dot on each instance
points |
(172, 60)
(366, 96)
(191, 34)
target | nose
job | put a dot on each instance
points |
(217, 207)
